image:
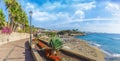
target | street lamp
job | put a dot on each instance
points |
(30, 27)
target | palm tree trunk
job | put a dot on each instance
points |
(12, 26)
(15, 27)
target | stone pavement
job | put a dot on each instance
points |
(16, 51)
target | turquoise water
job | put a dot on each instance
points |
(109, 43)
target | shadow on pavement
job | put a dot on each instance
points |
(28, 54)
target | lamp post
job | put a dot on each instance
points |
(9, 22)
(30, 27)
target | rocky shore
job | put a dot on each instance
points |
(83, 48)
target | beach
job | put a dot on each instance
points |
(83, 48)
(107, 43)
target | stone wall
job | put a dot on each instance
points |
(14, 36)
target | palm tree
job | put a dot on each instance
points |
(10, 4)
(2, 19)
(24, 20)
(18, 16)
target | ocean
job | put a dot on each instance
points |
(108, 43)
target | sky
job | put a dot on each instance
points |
(85, 15)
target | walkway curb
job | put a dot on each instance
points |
(35, 53)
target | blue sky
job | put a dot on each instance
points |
(85, 15)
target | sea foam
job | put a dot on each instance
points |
(94, 44)
(112, 55)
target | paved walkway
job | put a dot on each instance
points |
(16, 51)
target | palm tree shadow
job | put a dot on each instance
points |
(17, 46)
(28, 54)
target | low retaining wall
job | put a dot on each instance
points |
(5, 38)
(35, 53)
(74, 54)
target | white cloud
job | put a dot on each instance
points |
(78, 15)
(114, 8)
(39, 15)
(51, 6)
(30, 6)
(43, 16)
(85, 6)
(100, 19)
(42, 13)
(107, 28)
(63, 19)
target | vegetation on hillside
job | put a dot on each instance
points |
(71, 32)
(51, 34)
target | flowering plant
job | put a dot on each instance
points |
(6, 30)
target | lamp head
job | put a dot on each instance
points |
(30, 13)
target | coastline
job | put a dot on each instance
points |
(108, 56)
(84, 48)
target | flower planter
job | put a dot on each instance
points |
(48, 51)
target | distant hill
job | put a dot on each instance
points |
(73, 32)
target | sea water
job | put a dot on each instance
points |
(108, 43)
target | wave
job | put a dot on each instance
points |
(98, 45)
(94, 44)
(116, 55)
(107, 53)
(112, 55)
(116, 38)
(104, 51)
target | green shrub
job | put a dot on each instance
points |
(56, 43)
(20, 31)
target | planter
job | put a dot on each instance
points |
(49, 54)
(60, 56)
(48, 51)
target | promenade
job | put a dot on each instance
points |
(16, 51)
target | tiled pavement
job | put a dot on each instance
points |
(16, 51)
